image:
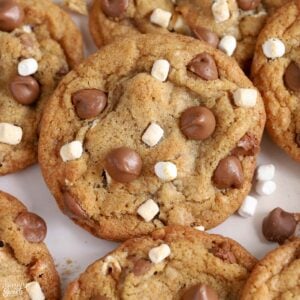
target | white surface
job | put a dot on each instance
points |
(74, 249)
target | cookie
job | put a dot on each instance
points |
(231, 25)
(27, 268)
(276, 276)
(39, 43)
(153, 130)
(172, 263)
(276, 73)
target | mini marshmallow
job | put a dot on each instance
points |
(199, 228)
(10, 134)
(160, 17)
(265, 188)
(27, 28)
(160, 69)
(158, 254)
(110, 262)
(220, 10)
(245, 97)
(34, 291)
(273, 48)
(153, 135)
(180, 26)
(27, 67)
(165, 171)
(148, 210)
(265, 172)
(228, 44)
(71, 151)
(248, 207)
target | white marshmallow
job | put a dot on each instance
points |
(160, 17)
(245, 97)
(200, 228)
(228, 44)
(160, 69)
(181, 26)
(148, 210)
(273, 48)
(27, 28)
(34, 290)
(71, 151)
(265, 172)
(248, 207)
(158, 254)
(27, 67)
(110, 262)
(10, 134)
(165, 170)
(220, 10)
(152, 135)
(265, 188)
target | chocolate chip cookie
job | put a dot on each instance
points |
(172, 263)
(276, 276)
(153, 130)
(39, 43)
(276, 73)
(27, 268)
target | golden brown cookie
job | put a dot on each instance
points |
(39, 43)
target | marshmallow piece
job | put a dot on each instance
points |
(10, 134)
(248, 207)
(160, 69)
(228, 44)
(165, 170)
(180, 26)
(34, 290)
(273, 48)
(27, 28)
(265, 188)
(27, 67)
(245, 97)
(71, 151)
(265, 172)
(158, 254)
(220, 10)
(152, 135)
(160, 17)
(148, 210)
(110, 262)
(199, 228)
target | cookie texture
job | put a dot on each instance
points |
(276, 276)
(39, 44)
(25, 260)
(182, 143)
(195, 258)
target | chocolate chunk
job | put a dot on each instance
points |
(248, 145)
(279, 225)
(224, 252)
(33, 227)
(204, 66)
(141, 267)
(206, 35)
(11, 15)
(248, 4)
(298, 139)
(24, 89)
(197, 123)
(292, 77)
(114, 8)
(89, 103)
(72, 207)
(123, 164)
(229, 173)
(200, 292)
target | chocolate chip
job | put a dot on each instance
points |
(34, 227)
(200, 292)
(248, 4)
(224, 252)
(123, 164)
(298, 139)
(197, 123)
(229, 173)
(72, 207)
(24, 89)
(292, 77)
(99, 297)
(204, 66)
(89, 103)
(248, 145)
(279, 225)
(204, 34)
(114, 8)
(11, 15)
(141, 267)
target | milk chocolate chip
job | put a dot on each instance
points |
(298, 139)
(200, 292)
(279, 225)
(224, 252)
(141, 266)
(206, 35)
(123, 164)
(204, 66)
(229, 173)
(197, 123)
(248, 4)
(89, 103)
(11, 15)
(72, 207)
(24, 89)
(292, 77)
(114, 8)
(33, 227)
(248, 145)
